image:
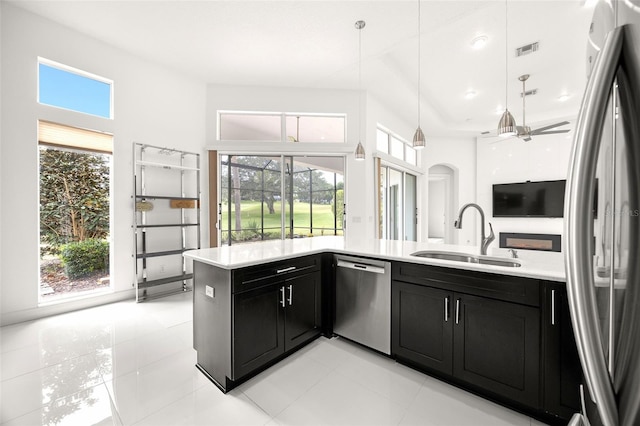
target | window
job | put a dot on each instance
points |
(281, 127)
(397, 148)
(75, 188)
(390, 143)
(382, 141)
(250, 127)
(313, 128)
(65, 87)
(275, 197)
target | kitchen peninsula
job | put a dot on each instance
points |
(503, 332)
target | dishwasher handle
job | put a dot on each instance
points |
(361, 267)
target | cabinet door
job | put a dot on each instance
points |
(562, 375)
(302, 312)
(258, 328)
(497, 347)
(422, 326)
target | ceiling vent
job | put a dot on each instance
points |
(526, 49)
(529, 92)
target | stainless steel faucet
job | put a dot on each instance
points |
(485, 240)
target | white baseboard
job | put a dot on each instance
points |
(45, 310)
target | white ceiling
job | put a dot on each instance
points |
(312, 43)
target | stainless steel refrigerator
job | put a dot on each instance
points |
(602, 220)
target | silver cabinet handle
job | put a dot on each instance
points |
(446, 309)
(282, 298)
(553, 307)
(282, 271)
(579, 225)
(290, 300)
(457, 311)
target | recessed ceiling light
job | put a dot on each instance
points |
(470, 94)
(563, 97)
(479, 42)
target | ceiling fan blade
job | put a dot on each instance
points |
(550, 132)
(526, 138)
(550, 126)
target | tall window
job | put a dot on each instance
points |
(397, 187)
(275, 197)
(75, 174)
(75, 185)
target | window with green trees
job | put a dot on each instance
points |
(275, 197)
(75, 169)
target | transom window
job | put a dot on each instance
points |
(281, 127)
(65, 87)
(392, 144)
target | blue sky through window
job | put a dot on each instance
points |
(65, 89)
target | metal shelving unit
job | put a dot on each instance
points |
(166, 219)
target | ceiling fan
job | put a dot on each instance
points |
(524, 132)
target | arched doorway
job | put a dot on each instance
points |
(442, 199)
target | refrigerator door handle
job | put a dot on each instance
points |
(578, 227)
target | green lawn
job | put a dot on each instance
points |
(251, 213)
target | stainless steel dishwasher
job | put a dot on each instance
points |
(363, 301)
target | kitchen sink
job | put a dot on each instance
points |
(467, 258)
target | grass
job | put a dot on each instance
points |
(251, 213)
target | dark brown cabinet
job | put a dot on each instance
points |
(246, 319)
(497, 347)
(562, 370)
(486, 343)
(274, 319)
(422, 329)
(258, 335)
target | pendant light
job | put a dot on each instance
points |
(418, 137)
(507, 124)
(360, 149)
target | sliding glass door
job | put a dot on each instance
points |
(397, 206)
(275, 197)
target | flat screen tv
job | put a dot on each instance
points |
(529, 199)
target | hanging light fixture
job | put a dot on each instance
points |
(418, 137)
(507, 124)
(360, 149)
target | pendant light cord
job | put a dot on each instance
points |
(506, 56)
(360, 83)
(419, 56)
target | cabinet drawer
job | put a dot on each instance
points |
(502, 287)
(259, 275)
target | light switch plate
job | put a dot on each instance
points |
(208, 291)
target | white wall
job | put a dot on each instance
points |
(514, 160)
(151, 105)
(459, 154)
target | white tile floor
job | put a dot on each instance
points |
(133, 364)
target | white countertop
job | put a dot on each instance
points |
(534, 264)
